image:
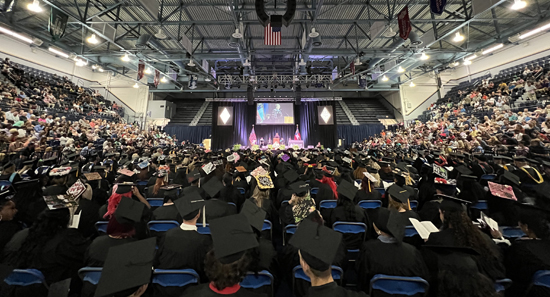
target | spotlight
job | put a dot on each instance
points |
(148, 71)
(58, 52)
(163, 79)
(415, 40)
(92, 39)
(125, 58)
(34, 6)
(385, 78)
(400, 69)
(456, 63)
(424, 57)
(458, 37)
(492, 49)
(412, 85)
(467, 62)
(518, 4)
(136, 86)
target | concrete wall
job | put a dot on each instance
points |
(393, 99)
(413, 98)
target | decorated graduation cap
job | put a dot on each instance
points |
(60, 171)
(448, 187)
(317, 244)
(398, 194)
(213, 187)
(346, 190)
(232, 237)
(189, 203)
(264, 182)
(254, 214)
(133, 259)
(129, 211)
(143, 165)
(390, 222)
(450, 203)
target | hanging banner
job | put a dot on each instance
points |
(156, 81)
(438, 6)
(57, 24)
(141, 70)
(404, 23)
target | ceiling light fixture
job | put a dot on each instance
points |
(100, 69)
(385, 78)
(94, 67)
(191, 63)
(148, 71)
(92, 39)
(492, 49)
(424, 57)
(125, 58)
(456, 63)
(518, 4)
(313, 33)
(237, 34)
(467, 62)
(34, 6)
(163, 79)
(458, 37)
(400, 69)
(358, 62)
(535, 31)
(136, 86)
(412, 85)
(469, 58)
(58, 52)
(16, 35)
(80, 62)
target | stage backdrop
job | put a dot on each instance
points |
(244, 117)
(194, 134)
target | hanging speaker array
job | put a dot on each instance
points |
(287, 18)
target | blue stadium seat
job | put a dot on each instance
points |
(288, 231)
(328, 204)
(175, 277)
(25, 277)
(399, 285)
(90, 274)
(162, 225)
(298, 273)
(414, 204)
(512, 232)
(263, 278)
(541, 278)
(267, 225)
(502, 284)
(314, 191)
(488, 177)
(410, 231)
(382, 191)
(155, 202)
(241, 190)
(101, 226)
(203, 230)
(232, 204)
(481, 205)
(370, 204)
(359, 229)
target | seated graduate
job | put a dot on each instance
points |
(325, 183)
(528, 255)
(347, 211)
(429, 210)
(49, 246)
(194, 178)
(168, 210)
(227, 264)
(215, 207)
(398, 199)
(184, 247)
(317, 248)
(388, 254)
(58, 179)
(458, 231)
(160, 181)
(8, 227)
(369, 183)
(231, 193)
(300, 205)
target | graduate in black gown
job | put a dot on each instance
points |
(227, 264)
(317, 248)
(528, 255)
(388, 254)
(231, 193)
(184, 247)
(168, 210)
(58, 179)
(194, 178)
(8, 227)
(398, 199)
(215, 207)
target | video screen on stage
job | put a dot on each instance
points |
(274, 113)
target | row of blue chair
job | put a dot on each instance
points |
(365, 204)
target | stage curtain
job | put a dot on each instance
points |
(194, 134)
(352, 133)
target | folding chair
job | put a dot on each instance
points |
(414, 204)
(382, 191)
(370, 204)
(512, 232)
(314, 191)
(155, 202)
(399, 285)
(298, 273)
(26, 277)
(175, 277)
(90, 274)
(162, 225)
(252, 281)
(410, 231)
(541, 278)
(203, 230)
(241, 190)
(328, 204)
(288, 231)
(502, 284)
(101, 226)
(351, 228)
(481, 205)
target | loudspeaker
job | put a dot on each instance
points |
(263, 18)
(298, 100)
(276, 21)
(250, 95)
(290, 12)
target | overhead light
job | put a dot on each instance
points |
(163, 79)
(424, 57)
(302, 63)
(148, 71)
(385, 78)
(518, 4)
(34, 6)
(313, 33)
(358, 61)
(535, 31)
(80, 62)
(469, 58)
(467, 62)
(191, 63)
(412, 85)
(125, 58)
(246, 63)
(16, 35)
(160, 35)
(237, 34)
(94, 67)
(136, 86)
(492, 49)
(400, 69)
(92, 39)
(415, 39)
(458, 37)
(456, 63)
(58, 52)
(100, 69)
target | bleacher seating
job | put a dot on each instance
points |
(186, 111)
(368, 111)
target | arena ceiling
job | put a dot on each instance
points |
(350, 29)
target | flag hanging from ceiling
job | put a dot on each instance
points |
(141, 70)
(297, 135)
(57, 23)
(438, 6)
(156, 81)
(404, 22)
(252, 137)
(271, 37)
(352, 67)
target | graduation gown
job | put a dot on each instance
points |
(522, 260)
(340, 214)
(204, 290)
(324, 193)
(7, 230)
(190, 189)
(55, 190)
(333, 290)
(216, 208)
(96, 254)
(230, 193)
(167, 212)
(89, 215)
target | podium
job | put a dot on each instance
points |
(299, 143)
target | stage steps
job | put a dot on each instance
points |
(368, 111)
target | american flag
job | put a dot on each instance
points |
(252, 137)
(297, 135)
(271, 37)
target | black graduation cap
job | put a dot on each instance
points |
(254, 214)
(189, 203)
(129, 211)
(318, 244)
(133, 259)
(391, 222)
(531, 211)
(299, 188)
(511, 177)
(446, 250)
(193, 176)
(372, 170)
(212, 187)
(451, 203)
(28, 162)
(123, 188)
(464, 170)
(383, 163)
(291, 175)
(398, 194)
(232, 236)
(520, 158)
(346, 189)
(6, 195)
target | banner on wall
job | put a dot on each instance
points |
(57, 23)
(156, 81)
(438, 6)
(404, 21)
(141, 70)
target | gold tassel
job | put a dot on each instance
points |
(368, 183)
